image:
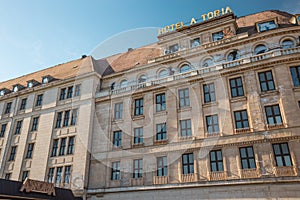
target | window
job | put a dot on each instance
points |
(23, 104)
(287, 44)
(265, 26)
(207, 63)
(3, 128)
(273, 115)
(241, 119)
(8, 108)
(138, 136)
(123, 84)
(184, 97)
(212, 124)
(117, 138)
(58, 175)
(66, 118)
(77, 90)
(295, 72)
(142, 79)
(282, 155)
(259, 49)
(62, 146)
(185, 68)
(266, 81)
(236, 87)
(70, 92)
(12, 153)
(71, 145)
(138, 107)
(24, 175)
(185, 128)
(29, 150)
(35, 124)
(7, 176)
(234, 55)
(216, 161)
(195, 42)
(74, 117)
(209, 93)
(174, 48)
(67, 174)
(247, 158)
(62, 95)
(115, 171)
(54, 148)
(39, 100)
(188, 163)
(218, 36)
(58, 119)
(138, 168)
(160, 100)
(163, 73)
(299, 104)
(118, 111)
(50, 175)
(161, 132)
(45, 80)
(162, 166)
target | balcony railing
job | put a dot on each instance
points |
(285, 171)
(199, 71)
(187, 178)
(217, 176)
(250, 173)
(158, 180)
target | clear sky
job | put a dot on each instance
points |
(36, 34)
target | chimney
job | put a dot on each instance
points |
(130, 49)
(83, 56)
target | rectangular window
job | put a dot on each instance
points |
(12, 153)
(70, 92)
(24, 175)
(62, 147)
(118, 110)
(236, 87)
(50, 175)
(117, 138)
(58, 175)
(138, 168)
(266, 81)
(8, 108)
(67, 174)
(66, 118)
(195, 42)
(138, 107)
(209, 93)
(54, 148)
(265, 26)
(71, 145)
(282, 155)
(162, 166)
(216, 161)
(241, 119)
(273, 115)
(138, 136)
(77, 90)
(7, 176)
(160, 100)
(161, 132)
(74, 117)
(3, 128)
(212, 124)
(115, 171)
(23, 104)
(188, 163)
(247, 158)
(184, 97)
(58, 119)
(18, 127)
(35, 124)
(62, 95)
(185, 128)
(39, 100)
(218, 36)
(295, 72)
(29, 150)
(173, 48)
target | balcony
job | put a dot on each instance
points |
(159, 180)
(250, 173)
(217, 176)
(275, 126)
(188, 178)
(285, 171)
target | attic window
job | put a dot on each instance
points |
(173, 48)
(30, 84)
(195, 42)
(16, 88)
(218, 36)
(266, 25)
(45, 80)
(2, 93)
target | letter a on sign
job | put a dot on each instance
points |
(193, 21)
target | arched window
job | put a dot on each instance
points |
(208, 62)
(260, 49)
(234, 55)
(286, 44)
(163, 73)
(142, 78)
(123, 84)
(185, 68)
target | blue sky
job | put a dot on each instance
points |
(36, 34)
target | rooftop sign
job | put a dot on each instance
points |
(204, 17)
(38, 186)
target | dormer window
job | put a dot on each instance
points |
(218, 36)
(2, 93)
(45, 80)
(29, 84)
(173, 48)
(266, 25)
(195, 42)
(17, 88)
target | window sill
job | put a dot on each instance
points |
(276, 126)
(116, 121)
(139, 145)
(37, 108)
(6, 115)
(296, 88)
(160, 113)
(216, 134)
(161, 142)
(268, 93)
(137, 117)
(20, 112)
(117, 148)
(185, 108)
(242, 130)
(209, 104)
(187, 137)
(238, 99)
